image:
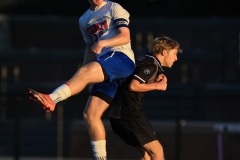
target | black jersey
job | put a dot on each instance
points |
(128, 104)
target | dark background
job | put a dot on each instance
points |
(166, 8)
(41, 47)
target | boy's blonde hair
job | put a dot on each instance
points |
(163, 43)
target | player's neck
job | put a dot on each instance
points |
(94, 7)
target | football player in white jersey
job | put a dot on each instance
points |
(108, 60)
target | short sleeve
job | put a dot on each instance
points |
(120, 16)
(143, 73)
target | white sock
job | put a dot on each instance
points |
(99, 149)
(60, 94)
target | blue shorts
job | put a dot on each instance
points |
(118, 67)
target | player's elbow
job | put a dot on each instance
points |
(126, 39)
(135, 86)
(132, 87)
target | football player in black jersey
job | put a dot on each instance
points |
(127, 118)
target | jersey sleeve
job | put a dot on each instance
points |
(144, 72)
(86, 36)
(120, 16)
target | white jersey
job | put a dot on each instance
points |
(103, 24)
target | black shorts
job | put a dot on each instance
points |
(134, 132)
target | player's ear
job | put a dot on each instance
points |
(164, 52)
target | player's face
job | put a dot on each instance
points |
(169, 57)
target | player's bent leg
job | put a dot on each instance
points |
(90, 73)
(144, 155)
(92, 115)
(154, 150)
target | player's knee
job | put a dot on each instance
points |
(88, 117)
(145, 156)
(84, 116)
(156, 152)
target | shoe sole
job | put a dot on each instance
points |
(33, 95)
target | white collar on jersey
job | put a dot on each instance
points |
(104, 2)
